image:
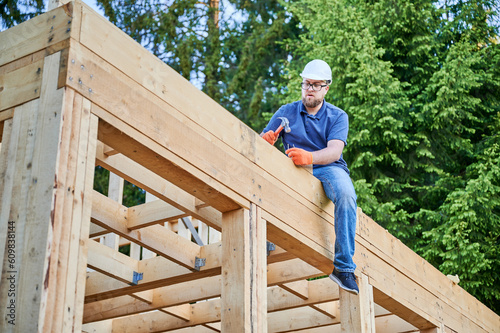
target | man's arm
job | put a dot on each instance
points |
(329, 154)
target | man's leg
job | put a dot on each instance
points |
(339, 188)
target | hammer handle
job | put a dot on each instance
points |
(278, 130)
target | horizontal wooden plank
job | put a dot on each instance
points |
(322, 290)
(110, 262)
(284, 320)
(159, 272)
(158, 186)
(150, 213)
(155, 238)
(38, 33)
(395, 254)
(166, 165)
(21, 85)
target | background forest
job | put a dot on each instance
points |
(420, 81)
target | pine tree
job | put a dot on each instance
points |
(420, 85)
(14, 12)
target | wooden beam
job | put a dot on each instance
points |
(392, 323)
(42, 167)
(8, 153)
(244, 300)
(166, 165)
(21, 85)
(330, 309)
(357, 312)
(300, 318)
(321, 290)
(284, 320)
(158, 186)
(182, 311)
(279, 320)
(298, 288)
(111, 263)
(395, 254)
(81, 191)
(14, 154)
(115, 192)
(158, 272)
(4, 115)
(155, 238)
(39, 33)
(150, 213)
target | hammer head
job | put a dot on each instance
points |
(285, 124)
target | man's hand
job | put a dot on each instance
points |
(300, 156)
(270, 136)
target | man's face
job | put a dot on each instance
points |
(312, 98)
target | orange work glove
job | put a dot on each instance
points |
(300, 156)
(270, 137)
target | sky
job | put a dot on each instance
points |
(93, 5)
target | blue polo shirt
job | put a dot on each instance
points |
(312, 132)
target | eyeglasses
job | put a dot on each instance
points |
(315, 86)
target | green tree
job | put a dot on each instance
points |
(363, 85)
(14, 12)
(419, 83)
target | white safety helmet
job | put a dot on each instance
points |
(317, 70)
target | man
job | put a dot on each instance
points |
(318, 136)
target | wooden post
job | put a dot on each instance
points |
(56, 3)
(244, 278)
(49, 210)
(115, 192)
(357, 313)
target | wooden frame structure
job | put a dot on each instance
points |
(76, 92)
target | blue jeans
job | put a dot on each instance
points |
(339, 188)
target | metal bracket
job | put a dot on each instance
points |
(136, 278)
(199, 262)
(270, 247)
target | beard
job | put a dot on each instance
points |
(311, 103)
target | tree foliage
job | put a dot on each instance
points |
(420, 84)
(14, 12)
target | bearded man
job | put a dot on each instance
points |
(318, 136)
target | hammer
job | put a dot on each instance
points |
(284, 124)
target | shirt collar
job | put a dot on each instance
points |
(318, 114)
